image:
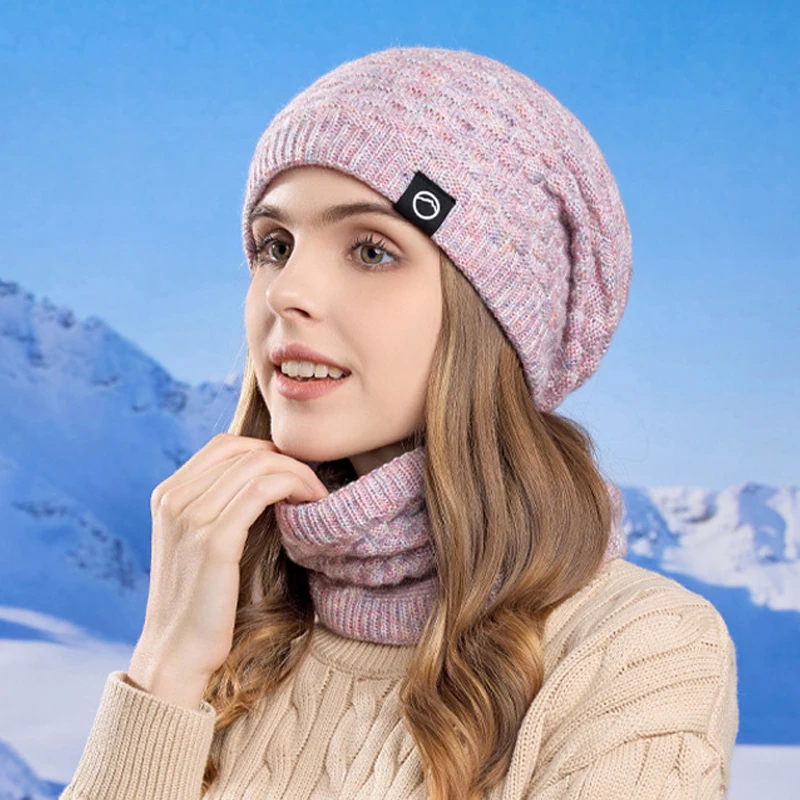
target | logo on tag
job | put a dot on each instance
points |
(424, 203)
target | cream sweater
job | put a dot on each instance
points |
(639, 700)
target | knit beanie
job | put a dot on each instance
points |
(497, 172)
(511, 186)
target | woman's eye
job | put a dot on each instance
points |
(266, 246)
(369, 249)
(369, 245)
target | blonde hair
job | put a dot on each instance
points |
(508, 488)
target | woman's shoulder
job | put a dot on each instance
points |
(627, 608)
(640, 678)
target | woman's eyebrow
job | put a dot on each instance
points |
(327, 216)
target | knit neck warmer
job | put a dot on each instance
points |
(369, 555)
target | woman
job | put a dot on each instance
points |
(444, 611)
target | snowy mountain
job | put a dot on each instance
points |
(90, 425)
(747, 536)
(17, 781)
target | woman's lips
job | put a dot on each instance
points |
(306, 390)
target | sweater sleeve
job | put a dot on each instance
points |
(141, 747)
(654, 710)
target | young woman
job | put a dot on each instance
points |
(401, 574)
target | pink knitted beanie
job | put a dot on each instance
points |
(497, 172)
(511, 186)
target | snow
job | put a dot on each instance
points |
(763, 771)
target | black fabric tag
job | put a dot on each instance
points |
(424, 203)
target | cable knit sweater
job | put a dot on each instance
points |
(639, 700)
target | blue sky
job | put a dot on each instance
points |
(126, 131)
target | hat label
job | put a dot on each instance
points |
(424, 203)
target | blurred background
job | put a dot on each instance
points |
(126, 131)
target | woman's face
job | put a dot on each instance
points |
(375, 308)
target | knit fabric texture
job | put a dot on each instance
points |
(370, 558)
(497, 172)
(638, 700)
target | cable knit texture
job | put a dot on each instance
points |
(368, 549)
(639, 700)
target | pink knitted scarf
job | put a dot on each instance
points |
(370, 560)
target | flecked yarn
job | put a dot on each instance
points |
(370, 560)
(538, 226)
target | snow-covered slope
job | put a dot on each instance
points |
(89, 425)
(17, 780)
(747, 536)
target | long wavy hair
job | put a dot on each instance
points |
(509, 489)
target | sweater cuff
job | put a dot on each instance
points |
(141, 747)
